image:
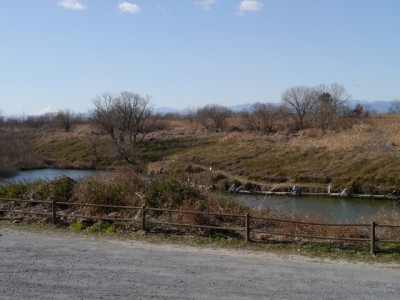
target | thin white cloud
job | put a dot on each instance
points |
(128, 7)
(72, 4)
(206, 4)
(249, 5)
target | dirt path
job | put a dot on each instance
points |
(50, 265)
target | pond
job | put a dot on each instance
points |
(334, 209)
(48, 174)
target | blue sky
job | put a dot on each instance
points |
(188, 53)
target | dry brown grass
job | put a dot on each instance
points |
(366, 152)
(378, 133)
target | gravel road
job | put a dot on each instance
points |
(49, 265)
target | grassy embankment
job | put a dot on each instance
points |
(363, 158)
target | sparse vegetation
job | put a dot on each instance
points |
(365, 150)
(60, 188)
(165, 193)
(311, 139)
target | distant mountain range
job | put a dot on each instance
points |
(377, 106)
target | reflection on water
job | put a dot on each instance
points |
(327, 208)
(49, 174)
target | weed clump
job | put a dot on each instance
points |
(60, 188)
(169, 192)
(99, 227)
(122, 189)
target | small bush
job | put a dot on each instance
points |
(193, 170)
(218, 177)
(356, 187)
(168, 192)
(111, 229)
(60, 188)
(218, 237)
(226, 185)
(101, 227)
(14, 190)
(249, 186)
(77, 227)
(237, 183)
(120, 190)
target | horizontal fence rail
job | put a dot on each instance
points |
(249, 225)
(311, 223)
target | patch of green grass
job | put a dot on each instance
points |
(101, 227)
(155, 150)
(77, 227)
(69, 150)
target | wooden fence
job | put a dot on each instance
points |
(246, 225)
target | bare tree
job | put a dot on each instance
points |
(1, 119)
(316, 106)
(301, 101)
(213, 116)
(191, 114)
(65, 119)
(247, 120)
(123, 118)
(263, 117)
(331, 103)
(395, 107)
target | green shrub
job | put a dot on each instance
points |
(356, 187)
(14, 190)
(168, 192)
(62, 188)
(249, 186)
(218, 237)
(218, 177)
(101, 227)
(59, 188)
(111, 229)
(193, 170)
(226, 185)
(77, 227)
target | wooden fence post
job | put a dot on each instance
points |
(144, 218)
(247, 236)
(54, 211)
(373, 240)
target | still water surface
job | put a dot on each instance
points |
(328, 208)
(48, 174)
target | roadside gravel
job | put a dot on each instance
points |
(52, 265)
